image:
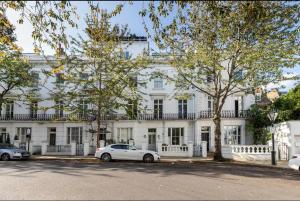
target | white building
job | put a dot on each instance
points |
(287, 135)
(167, 120)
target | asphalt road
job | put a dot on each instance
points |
(129, 180)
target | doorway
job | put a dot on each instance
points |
(52, 136)
(152, 139)
(205, 135)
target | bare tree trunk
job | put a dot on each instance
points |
(98, 126)
(218, 146)
(1, 107)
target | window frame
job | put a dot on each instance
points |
(158, 83)
(232, 134)
(179, 135)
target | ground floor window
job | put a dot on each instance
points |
(74, 135)
(232, 134)
(3, 137)
(52, 136)
(124, 135)
(23, 134)
(175, 136)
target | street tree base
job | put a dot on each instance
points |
(218, 157)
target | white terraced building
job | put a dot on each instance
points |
(168, 125)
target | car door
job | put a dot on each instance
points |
(134, 153)
(116, 151)
(125, 154)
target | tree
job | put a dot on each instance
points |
(15, 70)
(49, 20)
(222, 48)
(258, 122)
(288, 105)
(97, 72)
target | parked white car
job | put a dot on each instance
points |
(294, 163)
(125, 152)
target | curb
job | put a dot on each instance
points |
(189, 161)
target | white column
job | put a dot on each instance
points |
(190, 149)
(204, 149)
(31, 147)
(73, 148)
(158, 145)
(86, 148)
(44, 148)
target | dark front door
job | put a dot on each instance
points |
(205, 135)
(52, 139)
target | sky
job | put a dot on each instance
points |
(129, 16)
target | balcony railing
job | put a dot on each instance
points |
(89, 117)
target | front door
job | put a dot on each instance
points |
(52, 139)
(205, 135)
(152, 139)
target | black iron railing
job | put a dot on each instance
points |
(89, 117)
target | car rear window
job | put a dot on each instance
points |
(119, 146)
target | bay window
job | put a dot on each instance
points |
(232, 134)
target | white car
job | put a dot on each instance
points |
(294, 163)
(125, 152)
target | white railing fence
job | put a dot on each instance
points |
(182, 150)
(251, 149)
(247, 152)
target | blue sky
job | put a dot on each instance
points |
(130, 16)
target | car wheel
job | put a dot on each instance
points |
(5, 157)
(106, 157)
(148, 158)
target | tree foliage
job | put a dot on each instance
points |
(49, 20)
(258, 122)
(15, 73)
(288, 105)
(239, 45)
(98, 73)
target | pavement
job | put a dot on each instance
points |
(92, 159)
(72, 180)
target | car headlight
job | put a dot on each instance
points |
(156, 153)
(17, 152)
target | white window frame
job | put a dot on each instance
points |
(158, 83)
(230, 137)
(71, 135)
(171, 135)
(124, 134)
(22, 132)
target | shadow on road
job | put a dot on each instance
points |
(201, 169)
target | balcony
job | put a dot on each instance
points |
(227, 114)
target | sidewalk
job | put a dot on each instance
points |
(92, 159)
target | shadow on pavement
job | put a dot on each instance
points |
(200, 169)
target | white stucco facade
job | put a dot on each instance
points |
(147, 131)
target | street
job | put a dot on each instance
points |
(41, 180)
